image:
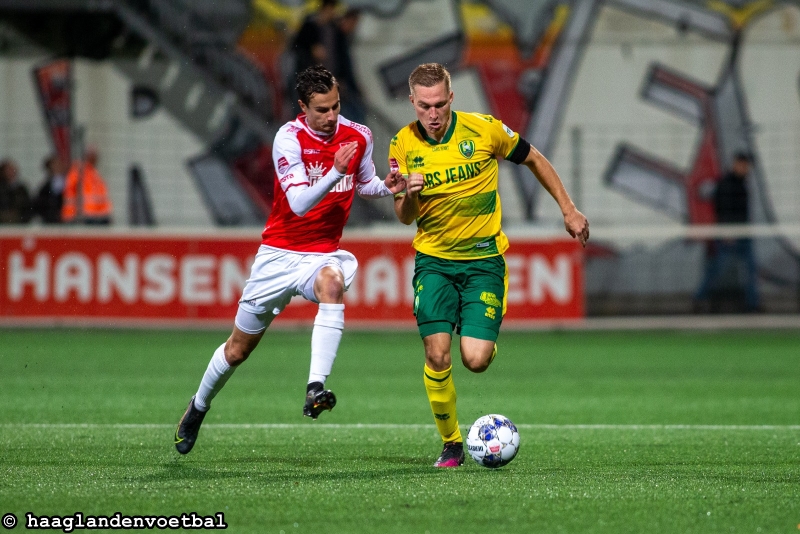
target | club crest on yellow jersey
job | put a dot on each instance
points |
(467, 148)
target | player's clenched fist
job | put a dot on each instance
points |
(414, 183)
(577, 226)
(395, 182)
(343, 157)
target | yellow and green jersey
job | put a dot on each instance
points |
(459, 217)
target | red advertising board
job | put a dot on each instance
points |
(161, 279)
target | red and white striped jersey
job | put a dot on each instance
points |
(301, 157)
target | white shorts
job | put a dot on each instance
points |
(278, 275)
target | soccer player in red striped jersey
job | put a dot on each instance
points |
(321, 161)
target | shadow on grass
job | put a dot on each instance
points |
(282, 469)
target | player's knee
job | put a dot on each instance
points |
(437, 360)
(329, 285)
(477, 363)
(479, 368)
(236, 353)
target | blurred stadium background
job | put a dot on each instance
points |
(640, 105)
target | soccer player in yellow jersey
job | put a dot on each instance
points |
(460, 276)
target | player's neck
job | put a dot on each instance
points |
(322, 135)
(439, 135)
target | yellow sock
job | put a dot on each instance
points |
(442, 396)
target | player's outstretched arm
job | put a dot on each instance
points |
(407, 206)
(302, 199)
(376, 188)
(576, 224)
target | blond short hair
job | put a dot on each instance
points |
(428, 75)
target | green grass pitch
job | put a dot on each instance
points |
(621, 432)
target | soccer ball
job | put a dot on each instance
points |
(493, 440)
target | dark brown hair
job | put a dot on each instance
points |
(314, 80)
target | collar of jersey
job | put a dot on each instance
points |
(447, 135)
(301, 119)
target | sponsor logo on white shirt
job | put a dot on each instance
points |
(346, 184)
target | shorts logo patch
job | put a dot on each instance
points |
(490, 299)
(491, 313)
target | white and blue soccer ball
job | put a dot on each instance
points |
(493, 440)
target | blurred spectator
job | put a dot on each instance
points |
(324, 39)
(85, 194)
(731, 205)
(49, 200)
(352, 98)
(315, 41)
(15, 201)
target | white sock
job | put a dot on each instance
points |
(325, 338)
(217, 373)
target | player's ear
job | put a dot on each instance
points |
(303, 107)
(451, 97)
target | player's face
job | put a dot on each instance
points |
(432, 105)
(322, 111)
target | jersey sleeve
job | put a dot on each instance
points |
(397, 155)
(502, 138)
(287, 158)
(366, 170)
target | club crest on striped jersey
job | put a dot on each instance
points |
(467, 148)
(315, 170)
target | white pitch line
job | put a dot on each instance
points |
(378, 426)
(660, 427)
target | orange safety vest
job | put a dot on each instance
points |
(93, 193)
